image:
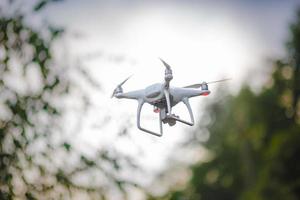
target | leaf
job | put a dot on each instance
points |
(29, 196)
(87, 161)
(67, 146)
(56, 31)
(43, 3)
(17, 144)
(40, 5)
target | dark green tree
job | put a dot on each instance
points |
(254, 139)
(34, 164)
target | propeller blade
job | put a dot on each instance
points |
(113, 94)
(200, 84)
(119, 86)
(226, 79)
(165, 64)
(125, 80)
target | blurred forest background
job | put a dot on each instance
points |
(37, 158)
(254, 139)
(252, 150)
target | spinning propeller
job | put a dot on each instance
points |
(205, 83)
(165, 64)
(119, 89)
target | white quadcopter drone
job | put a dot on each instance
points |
(163, 98)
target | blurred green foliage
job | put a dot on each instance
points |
(34, 164)
(254, 140)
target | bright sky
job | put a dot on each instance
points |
(201, 40)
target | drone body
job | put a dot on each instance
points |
(163, 97)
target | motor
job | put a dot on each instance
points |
(204, 86)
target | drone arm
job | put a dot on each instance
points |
(140, 106)
(130, 95)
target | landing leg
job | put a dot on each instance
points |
(167, 95)
(140, 106)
